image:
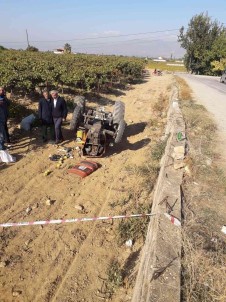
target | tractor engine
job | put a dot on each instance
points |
(95, 140)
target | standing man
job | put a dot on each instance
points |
(4, 114)
(59, 113)
(2, 127)
(45, 115)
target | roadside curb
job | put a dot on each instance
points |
(159, 271)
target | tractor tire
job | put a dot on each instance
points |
(76, 118)
(118, 112)
(81, 102)
(120, 131)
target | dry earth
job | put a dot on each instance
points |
(69, 262)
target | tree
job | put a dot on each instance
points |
(219, 66)
(198, 41)
(2, 48)
(219, 49)
(32, 48)
(67, 48)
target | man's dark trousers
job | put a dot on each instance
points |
(58, 132)
(2, 136)
(7, 139)
(45, 128)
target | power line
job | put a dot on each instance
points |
(93, 38)
(121, 41)
(116, 43)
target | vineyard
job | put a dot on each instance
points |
(24, 71)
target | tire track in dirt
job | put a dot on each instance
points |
(83, 246)
(54, 268)
(21, 235)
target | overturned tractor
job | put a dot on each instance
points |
(96, 128)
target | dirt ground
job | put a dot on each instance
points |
(69, 262)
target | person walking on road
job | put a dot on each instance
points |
(45, 116)
(4, 115)
(59, 113)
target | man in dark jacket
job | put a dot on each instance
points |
(4, 114)
(45, 115)
(59, 113)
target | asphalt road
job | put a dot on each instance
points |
(209, 92)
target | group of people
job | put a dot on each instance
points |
(52, 111)
(157, 72)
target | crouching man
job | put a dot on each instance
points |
(45, 116)
(59, 113)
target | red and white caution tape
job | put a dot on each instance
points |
(173, 219)
(59, 221)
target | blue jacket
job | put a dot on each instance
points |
(4, 112)
(45, 111)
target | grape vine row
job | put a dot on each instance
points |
(25, 71)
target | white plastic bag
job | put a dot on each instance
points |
(224, 229)
(27, 121)
(5, 157)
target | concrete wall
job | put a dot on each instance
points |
(159, 272)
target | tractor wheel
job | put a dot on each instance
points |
(120, 131)
(119, 112)
(76, 118)
(80, 101)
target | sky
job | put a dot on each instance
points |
(140, 28)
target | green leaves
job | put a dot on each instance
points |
(27, 70)
(219, 66)
(202, 42)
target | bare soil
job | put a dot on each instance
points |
(70, 262)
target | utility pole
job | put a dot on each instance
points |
(28, 45)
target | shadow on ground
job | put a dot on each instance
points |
(131, 130)
(126, 145)
(134, 129)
